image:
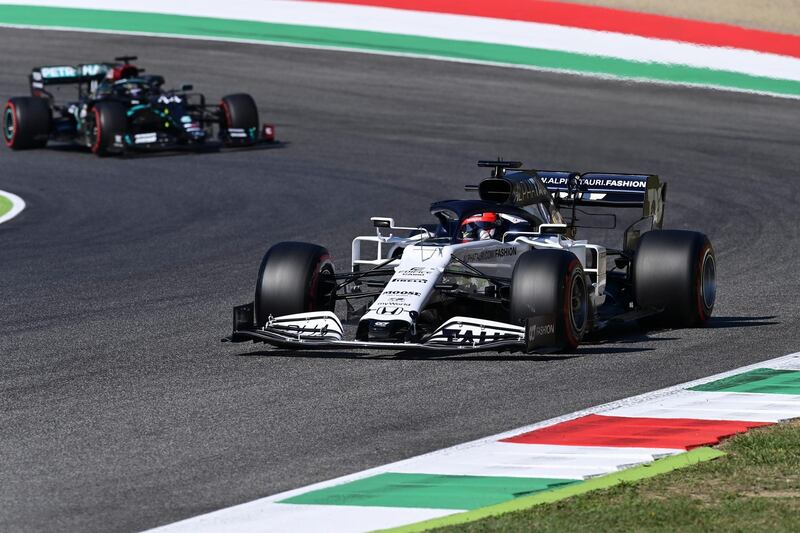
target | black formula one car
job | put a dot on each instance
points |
(119, 109)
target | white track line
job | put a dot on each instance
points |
(232, 518)
(17, 205)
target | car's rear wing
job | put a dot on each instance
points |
(609, 190)
(42, 77)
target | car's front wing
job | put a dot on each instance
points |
(323, 330)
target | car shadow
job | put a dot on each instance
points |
(718, 322)
(206, 149)
(626, 333)
(422, 355)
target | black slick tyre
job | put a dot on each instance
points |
(109, 121)
(551, 282)
(675, 271)
(26, 122)
(294, 277)
(239, 120)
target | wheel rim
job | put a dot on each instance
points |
(708, 280)
(578, 303)
(321, 287)
(8, 123)
(325, 288)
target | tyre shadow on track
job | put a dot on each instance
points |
(210, 148)
(630, 332)
(718, 322)
(420, 355)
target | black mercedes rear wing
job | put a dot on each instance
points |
(42, 77)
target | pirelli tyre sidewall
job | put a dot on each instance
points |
(675, 271)
(109, 120)
(551, 282)
(239, 115)
(294, 277)
(26, 122)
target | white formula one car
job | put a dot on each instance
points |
(503, 272)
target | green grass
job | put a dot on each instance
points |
(5, 205)
(755, 487)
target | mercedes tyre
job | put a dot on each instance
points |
(26, 122)
(239, 120)
(107, 126)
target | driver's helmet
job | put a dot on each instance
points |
(479, 227)
(130, 88)
(121, 72)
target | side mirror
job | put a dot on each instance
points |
(381, 222)
(187, 87)
(553, 229)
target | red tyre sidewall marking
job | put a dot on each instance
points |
(10, 105)
(701, 307)
(98, 129)
(572, 340)
(227, 113)
(313, 286)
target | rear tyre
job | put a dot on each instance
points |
(110, 122)
(26, 122)
(239, 120)
(675, 271)
(552, 282)
(294, 277)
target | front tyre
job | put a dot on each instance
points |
(239, 120)
(294, 277)
(675, 271)
(552, 282)
(109, 125)
(26, 122)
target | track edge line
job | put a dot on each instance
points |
(17, 205)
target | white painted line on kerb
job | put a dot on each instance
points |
(506, 459)
(17, 205)
(266, 514)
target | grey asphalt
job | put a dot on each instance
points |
(120, 408)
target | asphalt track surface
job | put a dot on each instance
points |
(121, 410)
